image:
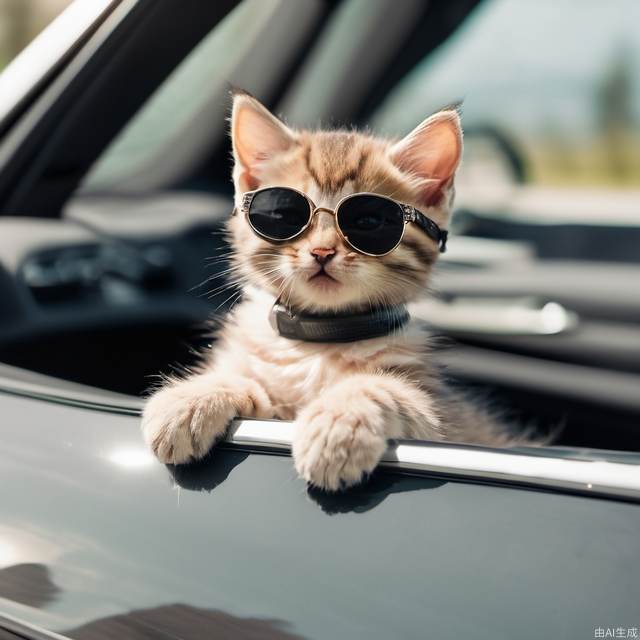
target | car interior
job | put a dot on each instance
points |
(115, 188)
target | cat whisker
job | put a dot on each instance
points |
(232, 284)
(210, 279)
(234, 294)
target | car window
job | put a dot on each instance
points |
(558, 80)
(182, 96)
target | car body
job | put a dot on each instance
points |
(103, 245)
(441, 542)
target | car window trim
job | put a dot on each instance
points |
(26, 630)
(48, 151)
(198, 150)
(28, 74)
(610, 475)
(540, 468)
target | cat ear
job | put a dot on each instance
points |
(432, 153)
(256, 135)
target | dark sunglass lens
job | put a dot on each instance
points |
(371, 224)
(278, 213)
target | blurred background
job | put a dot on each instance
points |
(561, 78)
(111, 229)
(21, 21)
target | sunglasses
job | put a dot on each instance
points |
(371, 224)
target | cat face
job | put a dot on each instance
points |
(318, 271)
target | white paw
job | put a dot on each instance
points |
(182, 421)
(337, 447)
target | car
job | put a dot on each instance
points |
(114, 189)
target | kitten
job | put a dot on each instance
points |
(347, 399)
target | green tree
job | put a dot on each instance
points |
(614, 111)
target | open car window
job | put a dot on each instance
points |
(185, 94)
(184, 119)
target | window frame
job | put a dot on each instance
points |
(44, 156)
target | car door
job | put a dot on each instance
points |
(99, 540)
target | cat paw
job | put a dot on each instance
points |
(338, 448)
(182, 421)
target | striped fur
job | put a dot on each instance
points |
(347, 399)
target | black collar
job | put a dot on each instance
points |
(337, 328)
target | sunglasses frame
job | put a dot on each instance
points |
(409, 214)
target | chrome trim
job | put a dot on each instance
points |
(29, 384)
(21, 629)
(58, 40)
(541, 468)
(562, 470)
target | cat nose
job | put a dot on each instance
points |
(323, 254)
